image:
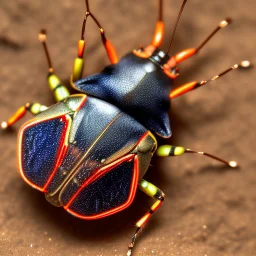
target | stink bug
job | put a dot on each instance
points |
(90, 151)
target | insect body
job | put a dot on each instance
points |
(89, 152)
(63, 153)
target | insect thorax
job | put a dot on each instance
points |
(138, 86)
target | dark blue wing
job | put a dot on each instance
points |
(112, 190)
(40, 148)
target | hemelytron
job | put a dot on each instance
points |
(89, 152)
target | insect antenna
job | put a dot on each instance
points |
(193, 85)
(220, 75)
(221, 25)
(176, 24)
(187, 53)
(42, 38)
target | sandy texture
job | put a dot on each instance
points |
(209, 210)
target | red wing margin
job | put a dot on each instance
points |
(111, 189)
(41, 147)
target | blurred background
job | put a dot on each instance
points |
(209, 209)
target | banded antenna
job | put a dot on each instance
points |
(195, 84)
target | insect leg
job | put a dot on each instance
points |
(154, 192)
(79, 62)
(33, 108)
(187, 53)
(195, 84)
(159, 29)
(59, 90)
(157, 37)
(168, 150)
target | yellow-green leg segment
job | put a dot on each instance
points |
(59, 90)
(153, 192)
(33, 108)
(79, 62)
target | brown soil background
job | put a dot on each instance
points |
(209, 210)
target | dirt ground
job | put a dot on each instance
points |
(209, 209)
